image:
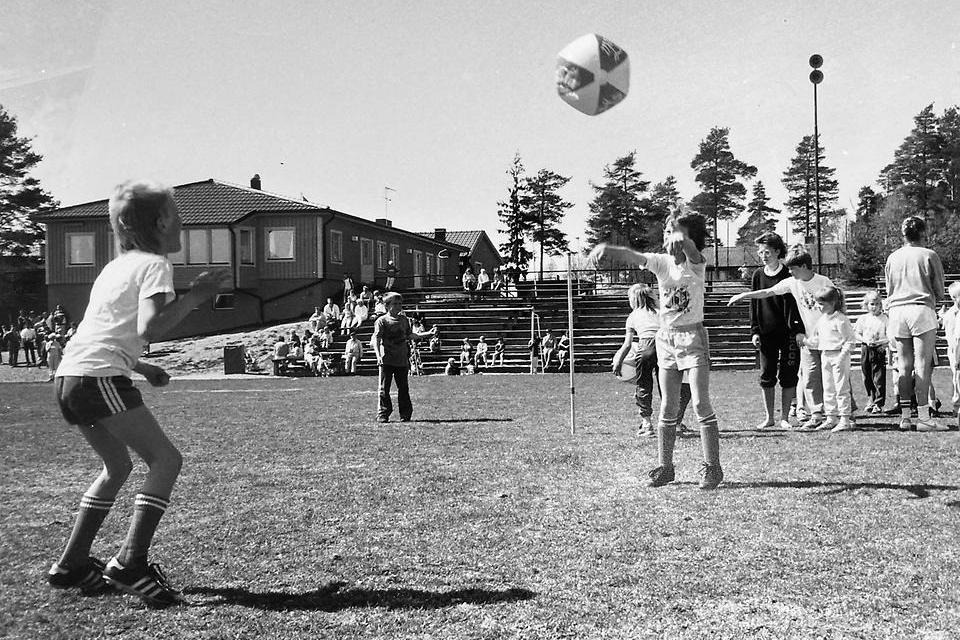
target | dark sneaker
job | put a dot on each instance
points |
(88, 576)
(661, 476)
(404, 419)
(383, 419)
(711, 476)
(150, 584)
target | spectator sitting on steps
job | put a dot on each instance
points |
(352, 354)
(280, 352)
(452, 369)
(466, 352)
(481, 354)
(331, 310)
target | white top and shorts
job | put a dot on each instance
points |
(682, 341)
(93, 379)
(914, 284)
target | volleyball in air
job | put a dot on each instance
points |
(593, 74)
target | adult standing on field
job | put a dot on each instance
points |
(915, 282)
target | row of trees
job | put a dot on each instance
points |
(627, 210)
(924, 180)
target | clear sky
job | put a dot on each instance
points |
(336, 100)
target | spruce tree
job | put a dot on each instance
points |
(513, 218)
(799, 181)
(866, 252)
(918, 165)
(664, 197)
(719, 174)
(21, 196)
(544, 208)
(759, 220)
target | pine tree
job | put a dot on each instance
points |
(618, 211)
(918, 165)
(759, 220)
(719, 174)
(545, 208)
(801, 185)
(949, 187)
(514, 220)
(21, 196)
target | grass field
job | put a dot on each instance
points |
(297, 516)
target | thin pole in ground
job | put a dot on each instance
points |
(573, 404)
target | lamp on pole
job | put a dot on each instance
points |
(816, 77)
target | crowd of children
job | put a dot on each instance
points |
(39, 338)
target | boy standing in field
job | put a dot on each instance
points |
(803, 284)
(391, 344)
(131, 304)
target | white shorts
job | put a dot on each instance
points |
(911, 320)
(683, 348)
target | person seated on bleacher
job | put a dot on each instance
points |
(483, 281)
(317, 320)
(498, 286)
(435, 344)
(466, 352)
(296, 352)
(325, 337)
(352, 354)
(452, 368)
(470, 283)
(366, 297)
(347, 318)
(498, 350)
(378, 307)
(480, 356)
(547, 347)
(362, 311)
(294, 339)
(280, 352)
(563, 349)
(331, 310)
(311, 357)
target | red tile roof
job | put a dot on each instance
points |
(208, 202)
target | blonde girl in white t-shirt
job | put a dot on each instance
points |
(834, 337)
(682, 341)
(132, 303)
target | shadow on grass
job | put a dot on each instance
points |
(451, 420)
(833, 488)
(334, 597)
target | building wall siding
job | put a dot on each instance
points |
(304, 264)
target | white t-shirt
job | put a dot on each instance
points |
(872, 329)
(644, 322)
(834, 331)
(803, 292)
(681, 289)
(107, 342)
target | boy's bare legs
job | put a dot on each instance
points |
(139, 430)
(98, 499)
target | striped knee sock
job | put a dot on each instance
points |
(147, 511)
(666, 437)
(90, 516)
(710, 439)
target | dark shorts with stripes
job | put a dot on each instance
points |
(84, 400)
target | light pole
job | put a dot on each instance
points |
(816, 77)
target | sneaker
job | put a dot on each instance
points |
(404, 419)
(954, 426)
(828, 424)
(383, 419)
(763, 426)
(905, 424)
(661, 476)
(876, 409)
(811, 424)
(802, 415)
(88, 576)
(150, 584)
(646, 430)
(929, 424)
(786, 425)
(792, 413)
(711, 475)
(845, 424)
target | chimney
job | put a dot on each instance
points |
(255, 182)
(440, 234)
(384, 222)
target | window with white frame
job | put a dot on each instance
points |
(428, 260)
(280, 242)
(198, 249)
(395, 255)
(245, 241)
(180, 256)
(80, 249)
(336, 246)
(381, 255)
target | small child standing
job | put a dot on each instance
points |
(54, 354)
(352, 354)
(132, 303)
(834, 336)
(871, 333)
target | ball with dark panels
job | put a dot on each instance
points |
(593, 74)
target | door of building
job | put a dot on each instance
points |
(417, 269)
(366, 260)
